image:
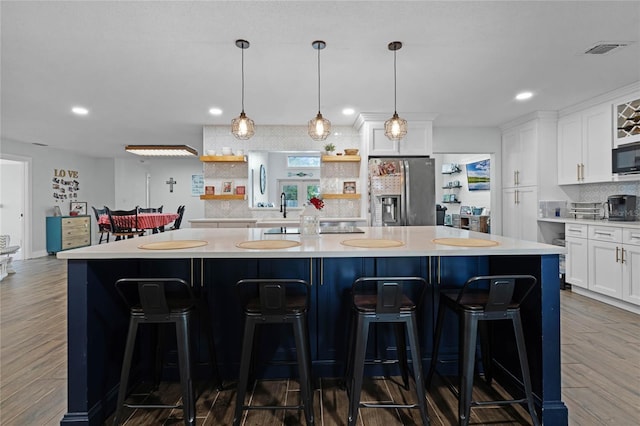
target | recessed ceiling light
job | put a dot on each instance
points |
(523, 96)
(80, 110)
(348, 111)
(215, 111)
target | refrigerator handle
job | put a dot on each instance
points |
(406, 196)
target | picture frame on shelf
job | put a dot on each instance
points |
(210, 190)
(78, 208)
(240, 190)
(349, 187)
(227, 187)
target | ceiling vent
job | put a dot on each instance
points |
(603, 48)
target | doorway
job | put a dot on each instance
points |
(14, 203)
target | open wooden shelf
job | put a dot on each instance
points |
(223, 158)
(341, 196)
(340, 158)
(223, 197)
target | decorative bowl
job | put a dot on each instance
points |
(351, 152)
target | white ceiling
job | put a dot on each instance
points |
(149, 71)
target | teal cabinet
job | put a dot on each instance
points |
(67, 232)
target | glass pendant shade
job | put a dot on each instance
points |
(242, 127)
(319, 127)
(395, 128)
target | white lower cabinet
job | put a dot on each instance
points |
(577, 258)
(605, 269)
(614, 262)
(631, 266)
(519, 208)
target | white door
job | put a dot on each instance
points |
(527, 174)
(12, 203)
(510, 160)
(577, 261)
(631, 274)
(596, 149)
(605, 271)
(569, 149)
(519, 213)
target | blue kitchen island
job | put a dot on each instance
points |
(97, 319)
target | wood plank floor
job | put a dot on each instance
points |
(600, 369)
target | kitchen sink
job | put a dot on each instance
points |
(323, 230)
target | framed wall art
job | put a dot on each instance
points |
(78, 207)
(227, 187)
(349, 187)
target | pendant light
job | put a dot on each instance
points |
(395, 128)
(319, 127)
(242, 126)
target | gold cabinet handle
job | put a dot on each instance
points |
(582, 171)
(617, 258)
(577, 171)
(622, 256)
(517, 177)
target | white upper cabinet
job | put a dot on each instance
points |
(519, 155)
(418, 140)
(584, 146)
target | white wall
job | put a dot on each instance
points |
(96, 177)
(130, 185)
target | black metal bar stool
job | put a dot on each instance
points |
(275, 301)
(160, 301)
(385, 300)
(484, 298)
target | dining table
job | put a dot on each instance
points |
(144, 220)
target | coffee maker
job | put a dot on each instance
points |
(622, 207)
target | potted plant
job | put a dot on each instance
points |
(329, 148)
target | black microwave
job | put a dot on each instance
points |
(626, 159)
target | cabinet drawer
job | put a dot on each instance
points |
(631, 236)
(605, 233)
(575, 230)
(76, 241)
(72, 224)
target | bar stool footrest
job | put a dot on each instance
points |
(382, 405)
(153, 406)
(272, 407)
(500, 402)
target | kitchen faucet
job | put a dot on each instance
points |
(283, 205)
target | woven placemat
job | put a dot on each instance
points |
(172, 245)
(465, 242)
(372, 243)
(268, 244)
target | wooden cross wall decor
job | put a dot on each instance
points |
(171, 182)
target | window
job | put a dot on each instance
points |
(298, 192)
(298, 161)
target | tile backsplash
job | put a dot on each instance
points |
(595, 192)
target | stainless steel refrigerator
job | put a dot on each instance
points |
(402, 191)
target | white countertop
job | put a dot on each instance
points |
(602, 222)
(272, 219)
(221, 243)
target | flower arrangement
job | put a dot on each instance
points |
(317, 203)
